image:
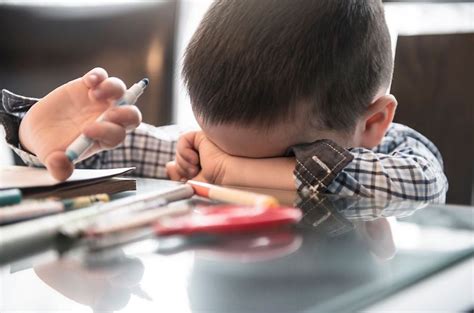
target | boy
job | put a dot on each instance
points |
(278, 86)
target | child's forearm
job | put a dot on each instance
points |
(274, 173)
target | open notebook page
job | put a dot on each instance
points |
(28, 177)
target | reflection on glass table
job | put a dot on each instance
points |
(342, 256)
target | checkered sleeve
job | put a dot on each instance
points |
(406, 165)
(147, 148)
(12, 109)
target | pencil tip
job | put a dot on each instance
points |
(146, 81)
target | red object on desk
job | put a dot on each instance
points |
(227, 219)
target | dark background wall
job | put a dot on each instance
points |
(42, 47)
(434, 83)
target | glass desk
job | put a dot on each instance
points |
(343, 256)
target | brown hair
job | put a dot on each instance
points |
(258, 61)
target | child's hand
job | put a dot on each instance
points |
(186, 164)
(198, 158)
(57, 119)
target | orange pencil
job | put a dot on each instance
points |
(233, 196)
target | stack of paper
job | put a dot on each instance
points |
(37, 182)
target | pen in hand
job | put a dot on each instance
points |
(82, 143)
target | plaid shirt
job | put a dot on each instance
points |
(405, 166)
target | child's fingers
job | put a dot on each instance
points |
(182, 173)
(172, 171)
(190, 155)
(186, 149)
(58, 165)
(182, 168)
(94, 77)
(129, 116)
(107, 134)
(111, 88)
(188, 170)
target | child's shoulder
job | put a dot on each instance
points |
(397, 132)
(401, 135)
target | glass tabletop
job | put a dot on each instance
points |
(344, 255)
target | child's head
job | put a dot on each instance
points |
(263, 75)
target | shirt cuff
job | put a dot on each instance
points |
(317, 164)
(26, 157)
(16, 105)
(12, 109)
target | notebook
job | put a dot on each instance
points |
(37, 183)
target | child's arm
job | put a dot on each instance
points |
(215, 166)
(405, 166)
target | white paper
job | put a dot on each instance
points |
(26, 177)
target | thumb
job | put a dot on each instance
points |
(58, 165)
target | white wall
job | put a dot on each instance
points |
(431, 18)
(191, 13)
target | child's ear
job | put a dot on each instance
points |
(377, 119)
